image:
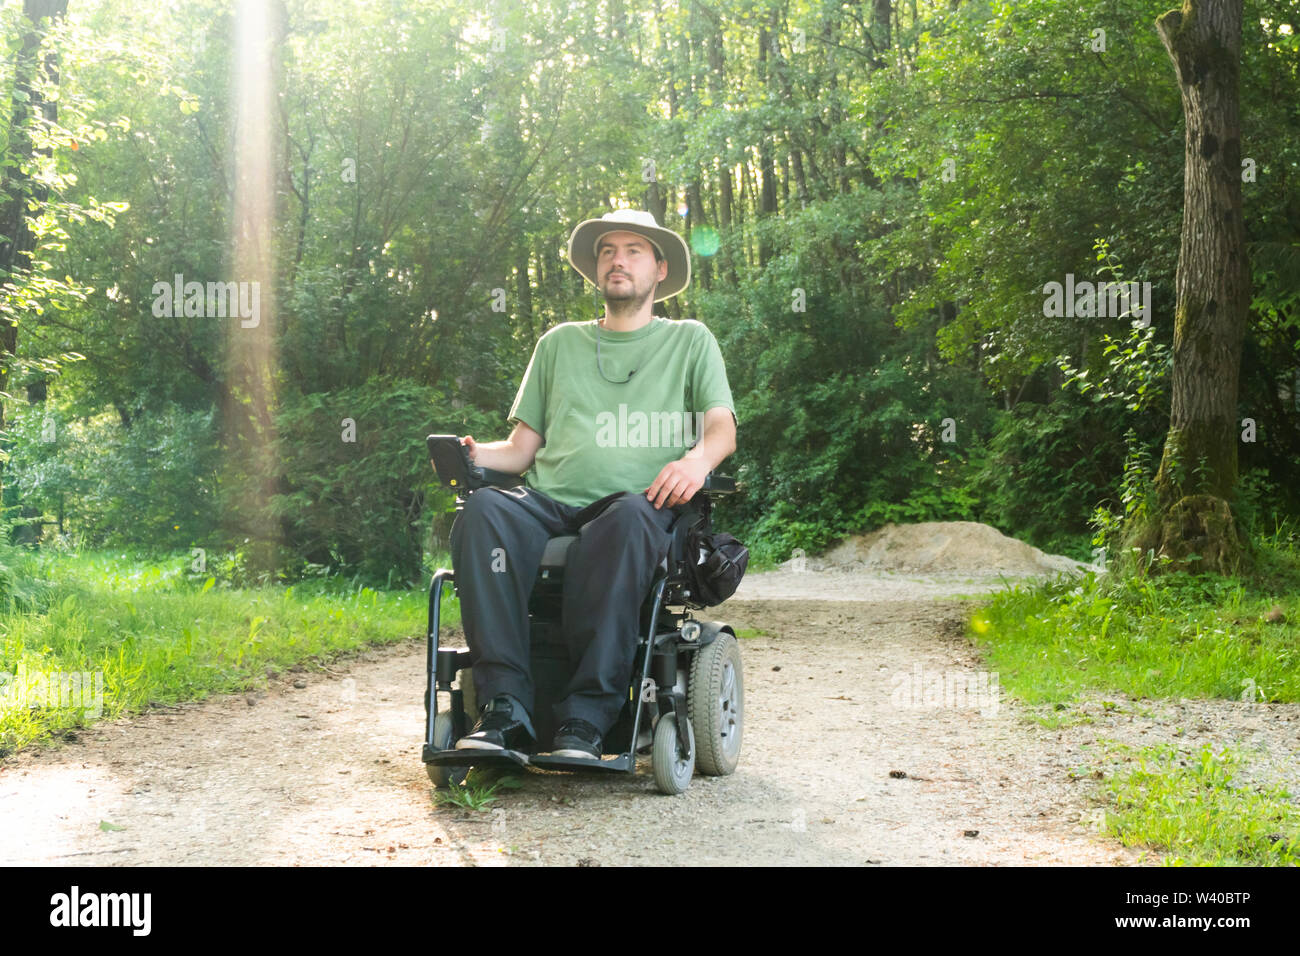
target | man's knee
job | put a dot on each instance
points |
(484, 501)
(634, 509)
(480, 508)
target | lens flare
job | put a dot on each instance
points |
(704, 240)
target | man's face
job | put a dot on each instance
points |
(626, 267)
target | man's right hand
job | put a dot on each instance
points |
(468, 442)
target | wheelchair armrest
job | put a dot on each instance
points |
(716, 484)
(502, 479)
(452, 464)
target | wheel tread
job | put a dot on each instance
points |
(707, 668)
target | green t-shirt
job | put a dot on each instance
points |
(602, 437)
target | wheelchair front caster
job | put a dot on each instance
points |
(672, 770)
(442, 775)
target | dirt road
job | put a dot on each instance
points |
(845, 761)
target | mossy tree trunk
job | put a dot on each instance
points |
(1191, 514)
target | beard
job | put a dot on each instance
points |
(622, 291)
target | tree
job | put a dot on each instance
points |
(1192, 519)
(17, 239)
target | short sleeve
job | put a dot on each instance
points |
(530, 402)
(709, 387)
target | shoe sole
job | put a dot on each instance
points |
(464, 744)
(575, 754)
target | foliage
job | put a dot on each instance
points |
(152, 484)
(1045, 465)
(37, 288)
(912, 184)
(358, 475)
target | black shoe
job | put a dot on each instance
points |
(576, 738)
(499, 728)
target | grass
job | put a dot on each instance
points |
(1193, 807)
(1170, 636)
(158, 634)
(478, 791)
(1184, 636)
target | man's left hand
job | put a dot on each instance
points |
(678, 482)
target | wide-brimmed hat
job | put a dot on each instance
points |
(582, 247)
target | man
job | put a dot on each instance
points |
(605, 417)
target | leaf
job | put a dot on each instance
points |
(106, 826)
(207, 585)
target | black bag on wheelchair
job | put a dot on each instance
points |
(716, 563)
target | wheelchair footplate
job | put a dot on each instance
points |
(608, 762)
(507, 759)
(510, 759)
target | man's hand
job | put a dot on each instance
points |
(469, 443)
(678, 482)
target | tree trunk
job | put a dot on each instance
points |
(831, 35)
(766, 160)
(1198, 470)
(524, 289)
(617, 20)
(881, 12)
(726, 198)
(695, 220)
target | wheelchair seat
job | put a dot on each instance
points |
(556, 554)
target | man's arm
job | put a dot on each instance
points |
(514, 456)
(679, 480)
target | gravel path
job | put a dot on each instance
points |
(847, 759)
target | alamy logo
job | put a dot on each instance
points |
(71, 690)
(652, 430)
(973, 690)
(1087, 300)
(216, 300)
(102, 909)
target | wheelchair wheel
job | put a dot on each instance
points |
(442, 775)
(715, 699)
(672, 771)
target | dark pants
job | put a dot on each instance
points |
(496, 547)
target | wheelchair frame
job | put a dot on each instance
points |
(666, 646)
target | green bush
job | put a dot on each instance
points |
(841, 414)
(1047, 468)
(150, 484)
(359, 485)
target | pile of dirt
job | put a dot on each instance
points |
(936, 546)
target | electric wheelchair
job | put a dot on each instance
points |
(685, 704)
